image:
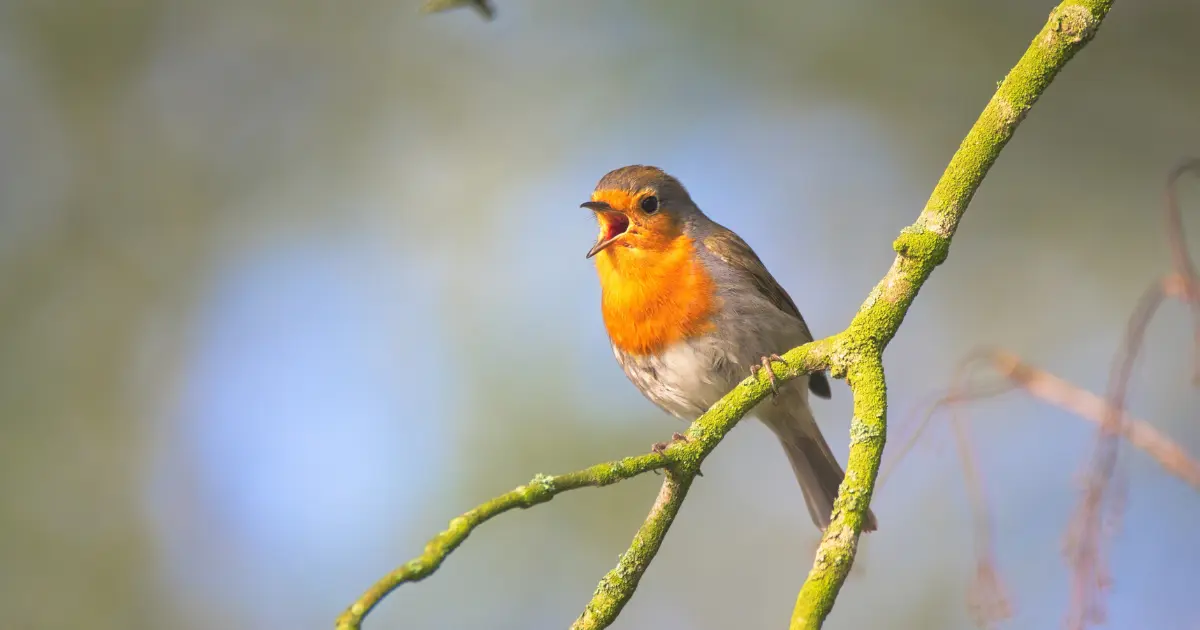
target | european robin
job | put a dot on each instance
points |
(690, 308)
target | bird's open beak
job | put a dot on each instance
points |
(613, 224)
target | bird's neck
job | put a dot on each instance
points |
(652, 298)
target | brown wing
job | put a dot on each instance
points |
(730, 248)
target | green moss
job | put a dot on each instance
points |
(617, 586)
(923, 245)
(607, 474)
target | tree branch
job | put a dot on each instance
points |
(540, 490)
(1185, 282)
(1090, 579)
(855, 354)
(682, 459)
(922, 247)
(1080, 402)
(618, 585)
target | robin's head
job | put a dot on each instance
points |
(654, 287)
(640, 208)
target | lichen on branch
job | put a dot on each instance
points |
(682, 459)
(540, 489)
(618, 585)
(920, 248)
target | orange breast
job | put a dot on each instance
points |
(653, 298)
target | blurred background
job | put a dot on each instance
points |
(285, 286)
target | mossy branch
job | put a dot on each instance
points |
(616, 588)
(855, 354)
(539, 490)
(682, 460)
(920, 248)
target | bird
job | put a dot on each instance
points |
(689, 309)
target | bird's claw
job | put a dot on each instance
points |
(766, 366)
(659, 447)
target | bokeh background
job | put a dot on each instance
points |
(284, 286)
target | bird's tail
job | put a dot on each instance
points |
(816, 468)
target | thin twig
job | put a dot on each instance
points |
(1181, 260)
(1080, 402)
(959, 392)
(1085, 541)
(989, 601)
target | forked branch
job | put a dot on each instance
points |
(855, 354)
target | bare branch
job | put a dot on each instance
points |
(988, 600)
(1084, 547)
(1089, 406)
(1188, 289)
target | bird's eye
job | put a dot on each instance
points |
(650, 204)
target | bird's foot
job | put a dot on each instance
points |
(659, 447)
(766, 366)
